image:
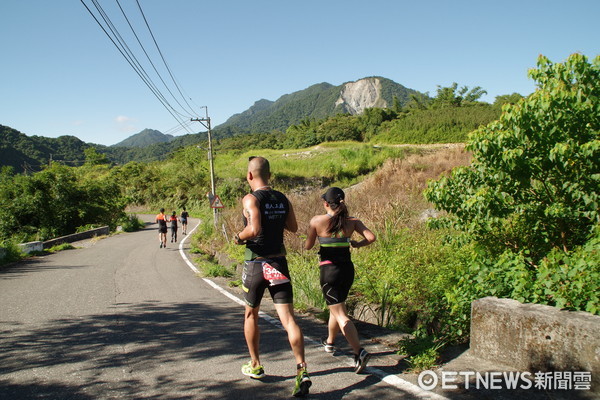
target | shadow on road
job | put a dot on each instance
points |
(108, 348)
(29, 265)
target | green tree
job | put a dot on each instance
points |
(532, 190)
(452, 96)
(507, 99)
(93, 157)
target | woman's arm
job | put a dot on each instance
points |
(361, 229)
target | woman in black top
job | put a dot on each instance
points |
(334, 230)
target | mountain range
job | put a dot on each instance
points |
(315, 102)
(145, 138)
(318, 101)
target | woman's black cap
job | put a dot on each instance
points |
(334, 195)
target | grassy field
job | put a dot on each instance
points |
(340, 161)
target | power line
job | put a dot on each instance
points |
(163, 58)
(127, 54)
(177, 128)
(130, 57)
(148, 57)
(142, 72)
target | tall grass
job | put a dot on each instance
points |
(340, 162)
(404, 274)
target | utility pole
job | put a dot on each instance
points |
(206, 123)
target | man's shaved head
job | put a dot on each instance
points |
(259, 167)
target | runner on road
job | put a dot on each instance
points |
(334, 230)
(184, 218)
(161, 219)
(267, 213)
(173, 220)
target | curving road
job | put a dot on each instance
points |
(122, 318)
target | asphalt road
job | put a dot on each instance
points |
(123, 318)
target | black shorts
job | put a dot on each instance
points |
(183, 221)
(336, 280)
(162, 229)
(255, 281)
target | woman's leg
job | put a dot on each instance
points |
(338, 316)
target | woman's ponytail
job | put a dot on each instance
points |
(336, 223)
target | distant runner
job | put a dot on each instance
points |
(184, 218)
(267, 213)
(334, 230)
(173, 221)
(161, 219)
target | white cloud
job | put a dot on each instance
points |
(123, 119)
(125, 124)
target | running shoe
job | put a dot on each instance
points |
(360, 360)
(303, 383)
(254, 373)
(160, 245)
(328, 347)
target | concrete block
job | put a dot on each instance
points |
(30, 247)
(534, 337)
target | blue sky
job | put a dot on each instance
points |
(61, 75)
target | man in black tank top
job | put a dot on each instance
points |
(267, 213)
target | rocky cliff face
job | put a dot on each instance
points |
(364, 93)
(316, 102)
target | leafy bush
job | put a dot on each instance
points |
(528, 203)
(55, 201)
(12, 252)
(131, 223)
(86, 227)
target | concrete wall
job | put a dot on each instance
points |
(534, 337)
(30, 247)
(77, 236)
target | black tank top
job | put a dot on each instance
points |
(274, 208)
(334, 249)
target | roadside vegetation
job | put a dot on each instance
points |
(514, 213)
(519, 218)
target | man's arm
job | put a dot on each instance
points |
(290, 222)
(311, 235)
(252, 214)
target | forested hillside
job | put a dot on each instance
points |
(421, 120)
(316, 102)
(318, 114)
(29, 153)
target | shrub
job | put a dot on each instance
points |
(528, 204)
(131, 223)
(12, 252)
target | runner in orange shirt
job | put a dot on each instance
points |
(161, 219)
